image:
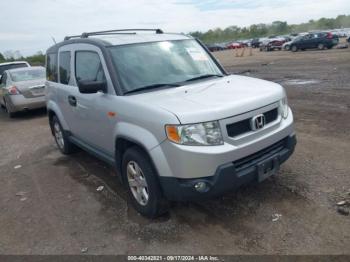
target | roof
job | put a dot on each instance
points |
(14, 62)
(120, 39)
(32, 68)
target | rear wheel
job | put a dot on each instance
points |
(143, 186)
(320, 46)
(294, 48)
(61, 138)
(287, 47)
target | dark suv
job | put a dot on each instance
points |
(319, 40)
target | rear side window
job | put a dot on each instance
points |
(51, 67)
(64, 67)
(88, 66)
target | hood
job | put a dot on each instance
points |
(214, 99)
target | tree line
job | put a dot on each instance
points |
(222, 35)
(35, 60)
(275, 28)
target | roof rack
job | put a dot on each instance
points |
(113, 32)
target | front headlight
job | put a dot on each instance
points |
(201, 134)
(284, 107)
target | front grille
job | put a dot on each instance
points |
(243, 126)
(260, 155)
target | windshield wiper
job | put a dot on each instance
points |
(203, 76)
(151, 87)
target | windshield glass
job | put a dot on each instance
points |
(25, 75)
(11, 66)
(166, 62)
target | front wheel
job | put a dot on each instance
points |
(294, 48)
(143, 186)
(320, 46)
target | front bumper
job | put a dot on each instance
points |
(228, 176)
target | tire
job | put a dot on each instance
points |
(294, 48)
(8, 111)
(64, 145)
(142, 184)
(320, 46)
(287, 47)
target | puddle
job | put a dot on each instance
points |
(301, 81)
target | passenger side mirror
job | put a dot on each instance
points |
(91, 87)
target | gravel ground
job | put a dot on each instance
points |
(49, 203)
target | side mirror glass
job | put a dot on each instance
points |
(91, 87)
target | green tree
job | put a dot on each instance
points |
(2, 58)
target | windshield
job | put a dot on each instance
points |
(11, 66)
(25, 75)
(159, 63)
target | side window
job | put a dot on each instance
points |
(51, 67)
(3, 80)
(64, 67)
(88, 67)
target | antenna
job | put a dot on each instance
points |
(53, 39)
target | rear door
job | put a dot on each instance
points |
(63, 83)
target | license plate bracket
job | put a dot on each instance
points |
(267, 168)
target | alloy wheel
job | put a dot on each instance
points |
(137, 183)
(58, 135)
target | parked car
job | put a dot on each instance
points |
(255, 43)
(22, 89)
(348, 39)
(165, 113)
(319, 40)
(215, 47)
(12, 65)
(272, 44)
(235, 45)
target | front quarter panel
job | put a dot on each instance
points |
(141, 123)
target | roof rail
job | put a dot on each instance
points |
(112, 32)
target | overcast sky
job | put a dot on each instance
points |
(28, 25)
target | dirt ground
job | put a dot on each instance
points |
(49, 204)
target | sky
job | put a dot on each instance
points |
(29, 25)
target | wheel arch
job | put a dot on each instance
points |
(122, 144)
(53, 110)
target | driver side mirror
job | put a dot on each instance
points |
(91, 87)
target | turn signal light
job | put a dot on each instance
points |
(172, 133)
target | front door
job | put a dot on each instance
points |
(91, 119)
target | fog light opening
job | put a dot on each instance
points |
(201, 186)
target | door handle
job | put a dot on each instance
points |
(72, 100)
